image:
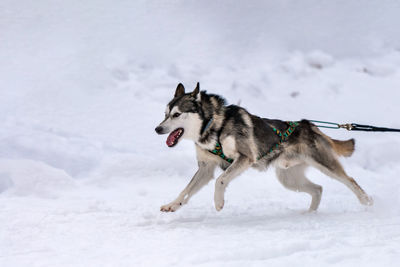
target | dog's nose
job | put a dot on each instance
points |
(159, 129)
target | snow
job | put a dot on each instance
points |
(83, 174)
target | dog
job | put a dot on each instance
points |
(229, 137)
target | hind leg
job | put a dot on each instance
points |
(293, 178)
(329, 165)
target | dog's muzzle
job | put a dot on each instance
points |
(159, 130)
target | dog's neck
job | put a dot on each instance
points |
(213, 109)
(207, 126)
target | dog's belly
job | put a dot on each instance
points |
(285, 163)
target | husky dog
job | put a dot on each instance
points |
(235, 140)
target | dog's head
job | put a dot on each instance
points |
(182, 116)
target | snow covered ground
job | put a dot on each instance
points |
(83, 174)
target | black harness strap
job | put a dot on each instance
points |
(369, 128)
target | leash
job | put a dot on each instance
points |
(353, 127)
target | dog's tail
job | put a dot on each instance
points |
(343, 148)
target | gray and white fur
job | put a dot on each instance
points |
(206, 119)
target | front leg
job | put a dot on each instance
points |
(238, 166)
(201, 178)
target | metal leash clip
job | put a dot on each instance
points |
(347, 126)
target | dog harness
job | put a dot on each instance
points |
(283, 138)
(218, 151)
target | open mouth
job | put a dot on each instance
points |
(174, 136)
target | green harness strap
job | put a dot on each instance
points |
(218, 151)
(283, 137)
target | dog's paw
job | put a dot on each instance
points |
(367, 200)
(219, 206)
(171, 207)
(219, 202)
(219, 195)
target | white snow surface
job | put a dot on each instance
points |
(83, 84)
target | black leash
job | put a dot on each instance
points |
(353, 127)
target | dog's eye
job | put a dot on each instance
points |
(176, 115)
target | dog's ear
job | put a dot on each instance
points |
(180, 90)
(196, 91)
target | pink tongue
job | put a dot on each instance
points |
(172, 138)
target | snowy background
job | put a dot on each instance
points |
(83, 84)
